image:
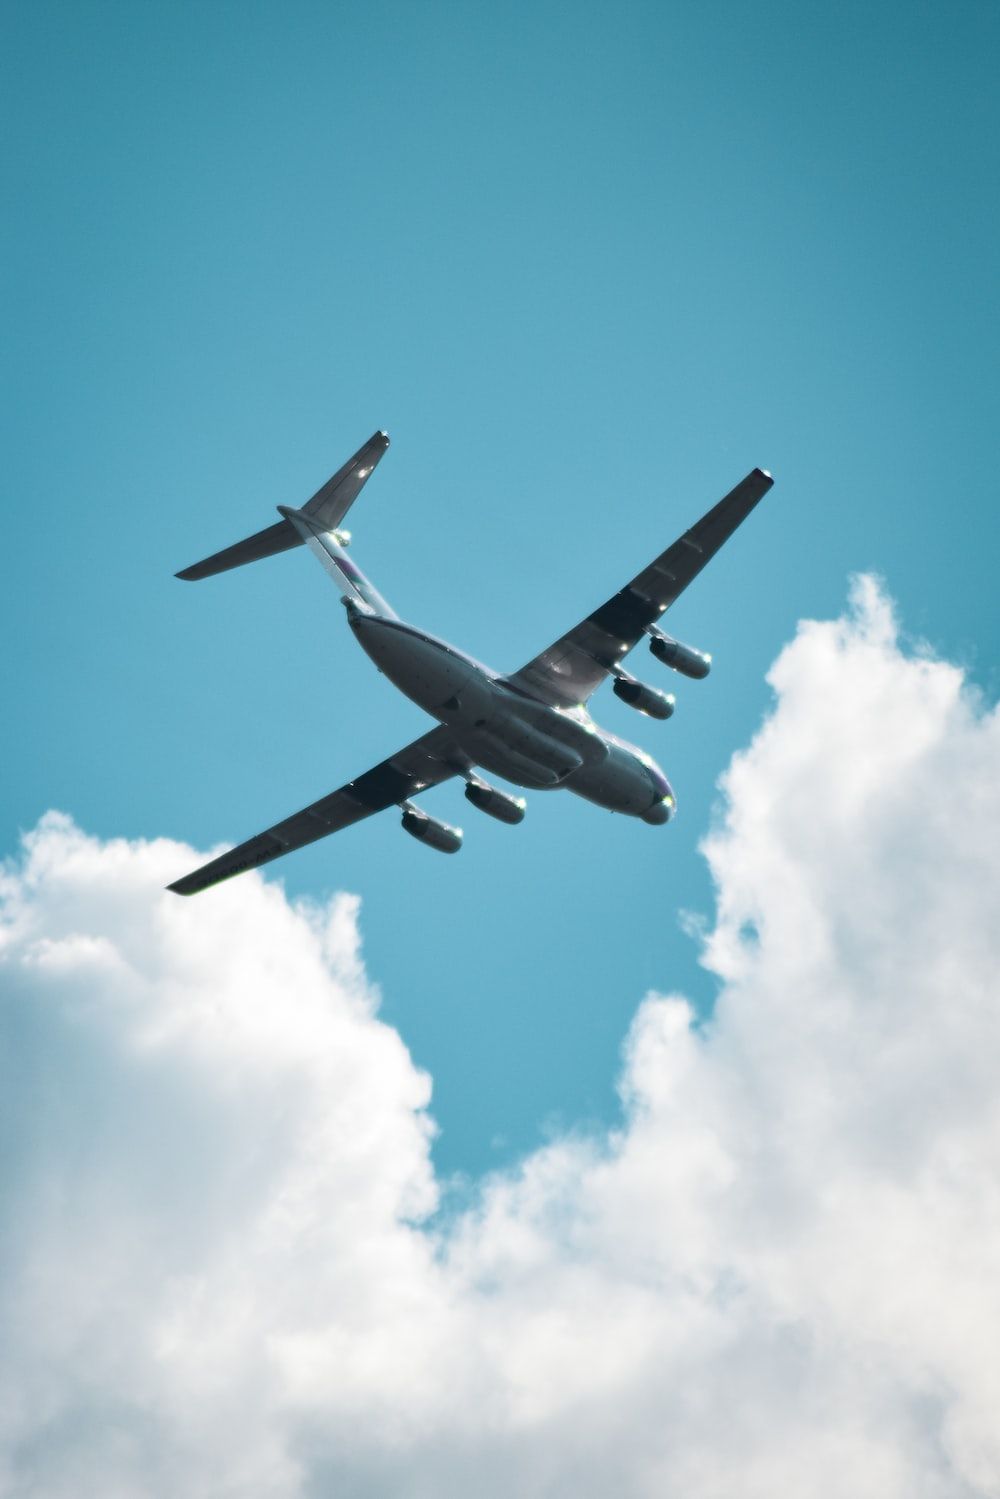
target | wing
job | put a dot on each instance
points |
(426, 762)
(570, 669)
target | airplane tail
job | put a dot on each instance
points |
(326, 544)
(325, 511)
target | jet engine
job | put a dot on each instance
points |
(644, 699)
(498, 804)
(439, 835)
(682, 658)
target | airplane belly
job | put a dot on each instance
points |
(511, 734)
(426, 670)
(513, 765)
(524, 741)
(620, 783)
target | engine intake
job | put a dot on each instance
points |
(644, 699)
(439, 835)
(498, 804)
(682, 658)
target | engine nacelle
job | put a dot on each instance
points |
(498, 804)
(439, 835)
(644, 699)
(682, 658)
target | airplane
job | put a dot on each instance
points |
(531, 727)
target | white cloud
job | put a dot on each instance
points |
(781, 1277)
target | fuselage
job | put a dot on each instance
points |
(509, 732)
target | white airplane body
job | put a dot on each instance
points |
(531, 728)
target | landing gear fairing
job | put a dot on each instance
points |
(531, 727)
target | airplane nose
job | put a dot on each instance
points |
(660, 812)
(664, 803)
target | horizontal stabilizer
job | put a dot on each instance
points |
(328, 505)
(277, 538)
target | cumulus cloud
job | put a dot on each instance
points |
(221, 1274)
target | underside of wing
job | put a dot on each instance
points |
(575, 665)
(425, 763)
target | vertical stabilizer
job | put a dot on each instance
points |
(328, 507)
(345, 573)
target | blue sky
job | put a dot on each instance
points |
(587, 266)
